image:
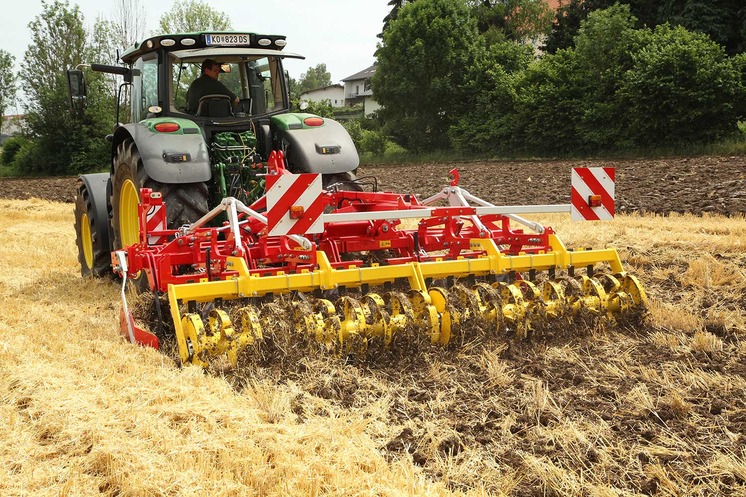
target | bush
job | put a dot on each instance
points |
(487, 125)
(322, 109)
(682, 88)
(373, 142)
(11, 147)
(355, 131)
(621, 88)
(29, 154)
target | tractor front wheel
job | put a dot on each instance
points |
(92, 243)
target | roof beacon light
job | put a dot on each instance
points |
(168, 42)
(265, 42)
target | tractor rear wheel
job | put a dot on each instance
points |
(93, 250)
(185, 203)
(342, 181)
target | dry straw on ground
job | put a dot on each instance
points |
(654, 410)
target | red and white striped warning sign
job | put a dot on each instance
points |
(299, 194)
(155, 221)
(592, 193)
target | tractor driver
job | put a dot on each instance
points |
(207, 84)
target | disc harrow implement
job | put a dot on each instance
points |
(356, 280)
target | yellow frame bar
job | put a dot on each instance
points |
(328, 278)
(325, 277)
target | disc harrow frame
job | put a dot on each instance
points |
(363, 246)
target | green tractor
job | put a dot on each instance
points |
(196, 152)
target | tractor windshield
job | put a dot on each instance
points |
(256, 79)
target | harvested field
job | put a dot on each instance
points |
(656, 409)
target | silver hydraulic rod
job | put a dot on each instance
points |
(233, 206)
(458, 196)
(539, 228)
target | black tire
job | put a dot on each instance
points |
(341, 181)
(93, 256)
(185, 203)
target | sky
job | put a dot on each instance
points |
(338, 33)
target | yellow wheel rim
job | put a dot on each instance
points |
(86, 241)
(129, 222)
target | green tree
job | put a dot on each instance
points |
(605, 47)
(517, 20)
(396, 6)
(622, 87)
(551, 105)
(193, 15)
(420, 80)
(62, 143)
(487, 126)
(723, 20)
(323, 108)
(315, 77)
(7, 82)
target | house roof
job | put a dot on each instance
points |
(335, 85)
(322, 88)
(364, 74)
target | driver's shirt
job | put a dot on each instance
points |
(205, 85)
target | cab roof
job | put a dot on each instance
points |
(205, 39)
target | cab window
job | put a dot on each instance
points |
(255, 80)
(145, 88)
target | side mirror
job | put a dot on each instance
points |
(76, 91)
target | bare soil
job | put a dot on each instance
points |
(695, 185)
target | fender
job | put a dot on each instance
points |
(99, 189)
(176, 157)
(326, 148)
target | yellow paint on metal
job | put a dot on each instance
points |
(439, 299)
(521, 306)
(86, 240)
(129, 220)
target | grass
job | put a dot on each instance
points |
(657, 410)
(7, 171)
(395, 154)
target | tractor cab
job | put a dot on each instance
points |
(250, 68)
(164, 67)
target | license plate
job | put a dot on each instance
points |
(227, 40)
